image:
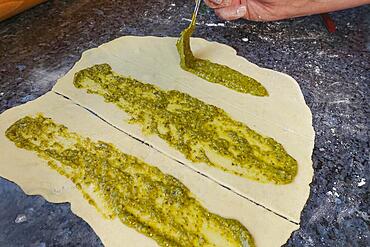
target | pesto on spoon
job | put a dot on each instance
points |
(213, 72)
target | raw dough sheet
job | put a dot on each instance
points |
(283, 115)
(36, 178)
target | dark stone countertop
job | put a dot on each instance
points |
(40, 45)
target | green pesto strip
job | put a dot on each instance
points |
(202, 132)
(214, 72)
(140, 195)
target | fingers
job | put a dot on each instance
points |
(232, 12)
(228, 9)
(250, 10)
(216, 4)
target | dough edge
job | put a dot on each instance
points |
(293, 129)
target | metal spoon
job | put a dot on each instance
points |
(196, 10)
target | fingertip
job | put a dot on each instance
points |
(241, 11)
(231, 13)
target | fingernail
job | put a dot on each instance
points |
(241, 11)
(217, 1)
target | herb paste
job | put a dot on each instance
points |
(214, 72)
(202, 132)
(140, 195)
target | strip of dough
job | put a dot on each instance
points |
(35, 177)
(283, 115)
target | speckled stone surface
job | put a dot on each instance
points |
(39, 46)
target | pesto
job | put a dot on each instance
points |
(202, 132)
(140, 195)
(213, 72)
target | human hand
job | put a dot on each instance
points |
(272, 10)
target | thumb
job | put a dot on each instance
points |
(235, 11)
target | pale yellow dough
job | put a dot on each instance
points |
(35, 177)
(283, 115)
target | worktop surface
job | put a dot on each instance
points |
(41, 45)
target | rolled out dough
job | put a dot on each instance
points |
(35, 177)
(283, 115)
